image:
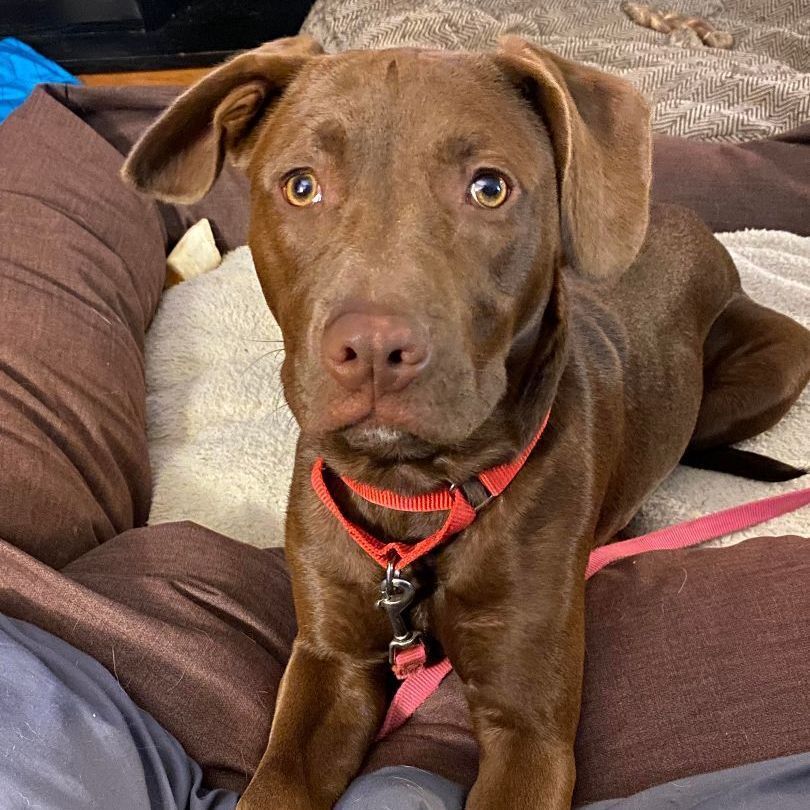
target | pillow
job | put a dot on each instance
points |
(696, 660)
(196, 627)
(120, 115)
(762, 184)
(81, 271)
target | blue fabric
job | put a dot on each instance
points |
(402, 788)
(21, 70)
(777, 784)
(72, 739)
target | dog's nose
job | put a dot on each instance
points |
(388, 350)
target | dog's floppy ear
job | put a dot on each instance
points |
(179, 157)
(600, 132)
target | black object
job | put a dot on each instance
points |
(95, 36)
(742, 463)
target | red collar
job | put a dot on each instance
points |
(460, 512)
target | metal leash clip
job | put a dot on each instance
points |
(396, 595)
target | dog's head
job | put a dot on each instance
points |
(411, 214)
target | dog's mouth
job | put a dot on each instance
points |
(387, 429)
(416, 425)
(371, 438)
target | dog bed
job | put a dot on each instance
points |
(222, 440)
(682, 647)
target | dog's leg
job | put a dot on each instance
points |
(518, 771)
(756, 363)
(525, 722)
(327, 714)
(521, 663)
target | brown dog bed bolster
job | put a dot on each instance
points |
(81, 271)
(694, 659)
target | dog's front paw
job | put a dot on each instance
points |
(257, 800)
(268, 801)
(272, 791)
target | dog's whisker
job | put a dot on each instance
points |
(261, 357)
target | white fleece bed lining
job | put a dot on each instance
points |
(222, 440)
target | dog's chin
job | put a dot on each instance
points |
(383, 443)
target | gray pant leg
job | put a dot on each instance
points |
(402, 788)
(72, 739)
(776, 784)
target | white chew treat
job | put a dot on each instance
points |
(196, 253)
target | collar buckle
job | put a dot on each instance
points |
(475, 501)
(486, 502)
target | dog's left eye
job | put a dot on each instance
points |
(489, 190)
(302, 188)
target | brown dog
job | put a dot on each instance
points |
(453, 245)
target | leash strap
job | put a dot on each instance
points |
(415, 690)
(699, 530)
(418, 686)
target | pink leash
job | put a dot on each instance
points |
(421, 681)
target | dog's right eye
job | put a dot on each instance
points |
(489, 189)
(301, 189)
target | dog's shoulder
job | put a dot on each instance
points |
(682, 257)
(678, 219)
(680, 235)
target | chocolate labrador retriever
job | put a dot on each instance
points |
(456, 245)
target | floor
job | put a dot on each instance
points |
(174, 77)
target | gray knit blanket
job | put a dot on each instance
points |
(759, 88)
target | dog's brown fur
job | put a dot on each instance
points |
(563, 298)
